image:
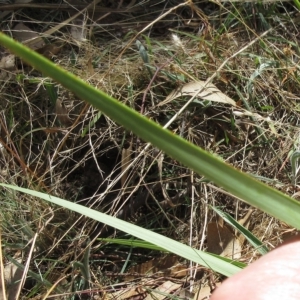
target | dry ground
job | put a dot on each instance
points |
(53, 142)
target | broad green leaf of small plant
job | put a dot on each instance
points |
(214, 262)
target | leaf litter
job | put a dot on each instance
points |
(198, 88)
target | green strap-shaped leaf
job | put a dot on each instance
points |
(239, 184)
(214, 262)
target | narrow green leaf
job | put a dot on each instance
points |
(239, 184)
(91, 123)
(133, 243)
(253, 240)
(218, 264)
(36, 276)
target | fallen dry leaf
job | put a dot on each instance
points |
(90, 66)
(62, 113)
(7, 62)
(50, 50)
(222, 241)
(23, 34)
(204, 293)
(166, 266)
(162, 291)
(210, 92)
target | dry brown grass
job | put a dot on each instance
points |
(48, 142)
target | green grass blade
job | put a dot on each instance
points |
(241, 185)
(133, 243)
(36, 276)
(253, 240)
(218, 264)
(91, 123)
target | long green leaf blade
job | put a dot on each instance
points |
(218, 264)
(239, 184)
